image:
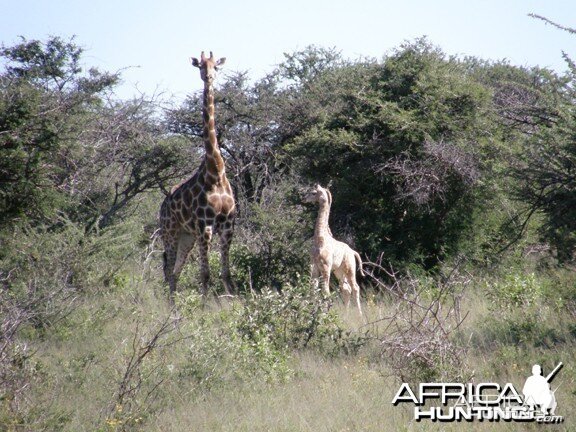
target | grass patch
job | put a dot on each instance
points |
(282, 362)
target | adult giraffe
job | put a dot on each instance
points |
(203, 205)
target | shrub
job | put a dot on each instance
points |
(258, 336)
(44, 269)
(270, 249)
(294, 319)
(515, 290)
(421, 340)
(217, 354)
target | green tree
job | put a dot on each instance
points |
(69, 146)
(402, 143)
(43, 98)
(544, 169)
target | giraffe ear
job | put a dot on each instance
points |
(195, 62)
(220, 62)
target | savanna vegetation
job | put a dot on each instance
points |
(454, 177)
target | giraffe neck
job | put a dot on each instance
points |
(214, 162)
(322, 228)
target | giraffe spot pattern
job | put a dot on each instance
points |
(204, 204)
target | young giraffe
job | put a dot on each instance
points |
(330, 255)
(204, 204)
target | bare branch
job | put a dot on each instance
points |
(547, 21)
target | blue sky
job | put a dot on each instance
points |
(154, 39)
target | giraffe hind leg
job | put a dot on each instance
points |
(325, 278)
(185, 244)
(169, 258)
(356, 294)
(314, 276)
(346, 291)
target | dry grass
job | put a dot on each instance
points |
(343, 395)
(83, 365)
(325, 396)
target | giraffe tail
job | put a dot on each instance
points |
(359, 259)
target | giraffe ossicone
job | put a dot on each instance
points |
(203, 205)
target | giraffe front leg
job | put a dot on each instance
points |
(225, 242)
(204, 248)
(314, 276)
(325, 275)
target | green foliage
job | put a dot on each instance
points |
(271, 249)
(127, 154)
(561, 291)
(55, 60)
(433, 160)
(404, 136)
(525, 329)
(218, 355)
(44, 270)
(69, 147)
(294, 319)
(533, 310)
(547, 179)
(515, 290)
(43, 98)
(258, 337)
(304, 66)
(534, 107)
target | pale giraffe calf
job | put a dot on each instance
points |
(330, 255)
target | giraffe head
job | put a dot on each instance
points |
(317, 194)
(208, 66)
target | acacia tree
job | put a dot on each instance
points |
(128, 152)
(72, 158)
(535, 107)
(42, 101)
(402, 143)
(546, 172)
(69, 146)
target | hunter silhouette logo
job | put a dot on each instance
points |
(537, 391)
(489, 401)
